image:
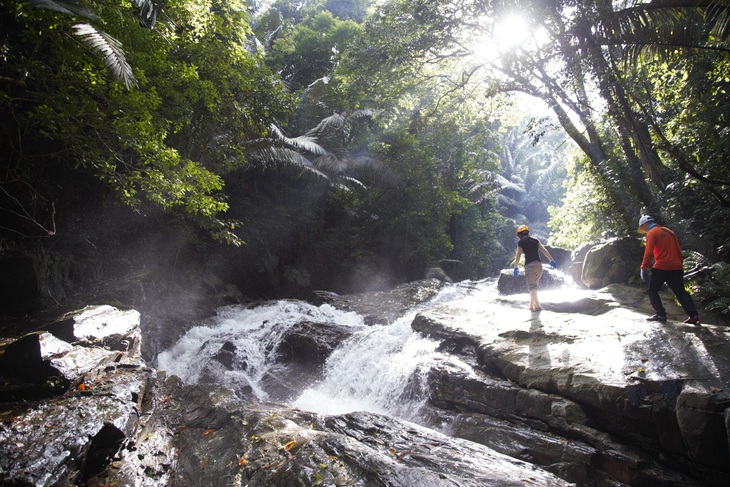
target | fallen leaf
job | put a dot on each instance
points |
(241, 460)
(207, 432)
(715, 389)
(288, 445)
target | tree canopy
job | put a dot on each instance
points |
(334, 137)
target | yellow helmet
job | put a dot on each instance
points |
(523, 228)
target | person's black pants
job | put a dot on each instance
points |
(675, 281)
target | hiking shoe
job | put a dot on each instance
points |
(659, 318)
(693, 320)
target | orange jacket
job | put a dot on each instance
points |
(662, 244)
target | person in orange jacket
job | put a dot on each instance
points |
(662, 245)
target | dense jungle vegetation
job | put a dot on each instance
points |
(351, 144)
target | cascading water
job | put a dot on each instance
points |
(379, 368)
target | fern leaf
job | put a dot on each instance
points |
(284, 157)
(110, 49)
(337, 121)
(66, 8)
(304, 142)
(147, 11)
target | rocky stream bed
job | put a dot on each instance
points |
(584, 393)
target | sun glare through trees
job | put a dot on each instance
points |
(506, 34)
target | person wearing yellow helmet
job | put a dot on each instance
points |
(531, 247)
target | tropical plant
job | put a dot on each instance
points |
(200, 97)
(97, 40)
(587, 213)
(534, 171)
(311, 49)
(580, 61)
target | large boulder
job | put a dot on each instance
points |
(562, 257)
(98, 397)
(576, 267)
(301, 355)
(612, 262)
(508, 283)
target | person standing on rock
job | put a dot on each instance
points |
(533, 266)
(662, 245)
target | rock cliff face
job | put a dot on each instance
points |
(584, 393)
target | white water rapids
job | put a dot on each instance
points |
(380, 368)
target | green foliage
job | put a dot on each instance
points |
(533, 170)
(689, 95)
(714, 292)
(311, 49)
(107, 46)
(587, 211)
(200, 98)
(344, 143)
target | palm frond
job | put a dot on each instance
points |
(657, 29)
(506, 201)
(479, 192)
(331, 164)
(694, 259)
(303, 142)
(500, 183)
(110, 49)
(547, 184)
(335, 121)
(354, 181)
(364, 113)
(364, 164)
(722, 305)
(148, 11)
(66, 8)
(283, 157)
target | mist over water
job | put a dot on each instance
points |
(379, 368)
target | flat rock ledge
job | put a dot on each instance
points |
(606, 394)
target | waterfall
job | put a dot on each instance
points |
(380, 368)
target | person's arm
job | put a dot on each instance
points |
(544, 251)
(518, 256)
(547, 254)
(648, 250)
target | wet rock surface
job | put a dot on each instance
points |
(584, 393)
(383, 307)
(94, 388)
(508, 283)
(646, 403)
